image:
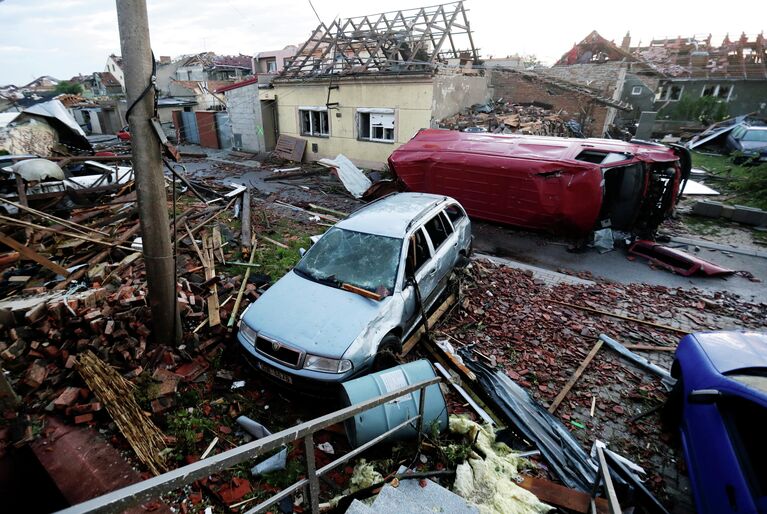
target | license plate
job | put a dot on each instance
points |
(275, 373)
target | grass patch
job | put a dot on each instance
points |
(745, 185)
(276, 261)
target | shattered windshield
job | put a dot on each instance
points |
(342, 257)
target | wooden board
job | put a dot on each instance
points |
(575, 377)
(208, 262)
(290, 148)
(32, 255)
(413, 339)
(561, 496)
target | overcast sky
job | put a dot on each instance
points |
(64, 38)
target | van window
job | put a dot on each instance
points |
(437, 231)
(454, 212)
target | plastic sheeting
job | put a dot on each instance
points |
(562, 452)
(37, 170)
(352, 177)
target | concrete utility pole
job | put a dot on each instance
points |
(133, 23)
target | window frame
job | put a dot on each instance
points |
(365, 113)
(717, 88)
(448, 230)
(310, 110)
(636, 90)
(664, 93)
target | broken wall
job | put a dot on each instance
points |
(409, 96)
(517, 88)
(604, 77)
(455, 91)
(244, 109)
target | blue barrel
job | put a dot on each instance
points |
(370, 424)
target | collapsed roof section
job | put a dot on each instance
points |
(391, 42)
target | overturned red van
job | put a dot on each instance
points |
(554, 184)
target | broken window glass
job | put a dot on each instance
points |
(675, 93)
(454, 212)
(418, 251)
(314, 122)
(437, 231)
(376, 126)
(367, 261)
(724, 92)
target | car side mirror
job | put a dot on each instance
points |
(705, 396)
(302, 251)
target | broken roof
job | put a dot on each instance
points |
(210, 60)
(593, 49)
(109, 80)
(697, 56)
(391, 42)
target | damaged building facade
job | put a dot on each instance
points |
(363, 86)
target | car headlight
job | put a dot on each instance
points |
(326, 365)
(248, 333)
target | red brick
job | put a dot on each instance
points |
(83, 418)
(36, 374)
(67, 397)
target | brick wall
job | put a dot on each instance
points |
(516, 88)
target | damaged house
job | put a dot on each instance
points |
(363, 86)
(706, 80)
(614, 72)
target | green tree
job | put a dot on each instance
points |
(69, 88)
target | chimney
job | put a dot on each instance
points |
(626, 44)
(165, 59)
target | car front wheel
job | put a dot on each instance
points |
(386, 357)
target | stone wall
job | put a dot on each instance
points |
(517, 88)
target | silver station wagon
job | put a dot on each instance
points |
(352, 299)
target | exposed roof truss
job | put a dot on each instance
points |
(397, 41)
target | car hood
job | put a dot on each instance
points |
(729, 351)
(319, 319)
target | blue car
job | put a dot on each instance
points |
(721, 397)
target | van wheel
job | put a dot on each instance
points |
(386, 357)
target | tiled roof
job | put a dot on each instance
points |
(109, 80)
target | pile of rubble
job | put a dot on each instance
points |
(542, 336)
(501, 117)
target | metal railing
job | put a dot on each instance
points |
(141, 492)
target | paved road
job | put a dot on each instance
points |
(550, 253)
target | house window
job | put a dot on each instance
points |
(669, 93)
(271, 66)
(720, 91)
(636, 90)
(376, 125)
(314, 121)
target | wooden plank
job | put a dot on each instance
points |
(290, 148)
(245, 232)
(98, 257)
(561, 496)
(620, 316)
(32, 255)
(218, 251)
(575, 377)
(413, 339)
(650, 348)
(276, 243)
(210, 272)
